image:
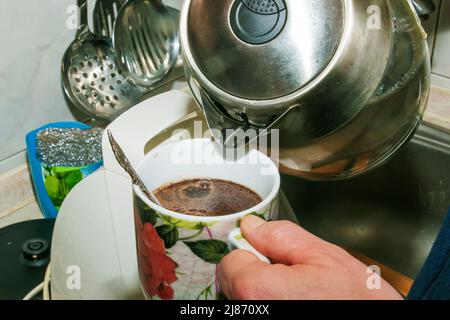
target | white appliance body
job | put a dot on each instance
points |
(93, 253)
(93, 250)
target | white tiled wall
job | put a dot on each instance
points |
(33, 36)
(441, 56)
(441, 59)
(431, 25)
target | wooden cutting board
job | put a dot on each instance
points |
(400, 282)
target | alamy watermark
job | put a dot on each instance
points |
(374, 19)
(374, 280)
(239, 147)
(73, 281)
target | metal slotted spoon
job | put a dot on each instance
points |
(91, 80)
(105, 13)
(146, 41)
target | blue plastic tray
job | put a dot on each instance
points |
(45, 203)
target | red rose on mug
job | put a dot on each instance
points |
(156, 268)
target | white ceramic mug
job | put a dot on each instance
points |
(178, 254)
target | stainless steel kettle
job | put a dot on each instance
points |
(345, 82)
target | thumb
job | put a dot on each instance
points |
(281, 241)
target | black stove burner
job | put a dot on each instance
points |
(24, 256)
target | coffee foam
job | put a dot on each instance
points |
(206, 197)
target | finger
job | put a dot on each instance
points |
(282, 241)
(232, 266)
(261, 281)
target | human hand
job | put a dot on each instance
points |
(304, 267)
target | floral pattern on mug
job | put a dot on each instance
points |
(176, 255)
(157, 269)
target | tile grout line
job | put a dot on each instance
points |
(8, 174)
(16, 208)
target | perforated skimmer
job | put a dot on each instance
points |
(91, 80)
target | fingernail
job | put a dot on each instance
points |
(253, 222)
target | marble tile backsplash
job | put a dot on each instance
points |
(33, 37)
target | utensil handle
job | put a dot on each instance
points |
(175, 13)
(83, 27)
(237, 241)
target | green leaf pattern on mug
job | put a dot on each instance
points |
(185, 224)
(206, 293)
(211, 251)
(169, 233)
(148, 215)
(260, 215)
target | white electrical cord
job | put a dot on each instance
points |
(34, 292)
(43, 286)
(47, 278)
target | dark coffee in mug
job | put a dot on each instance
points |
(206, 197)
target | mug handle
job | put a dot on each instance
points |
(237, 241)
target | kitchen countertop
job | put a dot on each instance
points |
(438, 110)
(18, 202)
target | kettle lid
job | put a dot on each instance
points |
(263, 49)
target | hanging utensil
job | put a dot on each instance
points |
(91, 80)
(146, 41)
(105, 13)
